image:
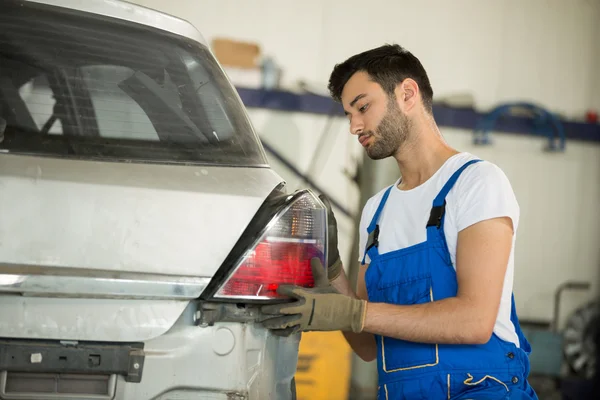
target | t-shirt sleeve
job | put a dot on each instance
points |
(485, 193)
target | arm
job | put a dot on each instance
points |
(482, 255)
(363, 344)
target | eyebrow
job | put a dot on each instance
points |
(357, 98)
(353, 102)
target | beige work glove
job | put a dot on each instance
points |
(321, 308)
(334, 263)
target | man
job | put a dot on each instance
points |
(434, 299)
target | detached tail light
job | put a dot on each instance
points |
(282, 253)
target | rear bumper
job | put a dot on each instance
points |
(224, 361)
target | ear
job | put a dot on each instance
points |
(407, 94)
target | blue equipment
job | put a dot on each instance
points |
(544, 122)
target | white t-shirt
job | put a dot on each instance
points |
(482, 192)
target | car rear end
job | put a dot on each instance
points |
(141, 228)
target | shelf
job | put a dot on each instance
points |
(445, 116)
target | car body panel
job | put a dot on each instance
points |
(135, 224)
(249, 362)
(121, 217)
(223, 361)
(112, 320)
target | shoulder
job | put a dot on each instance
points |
(484, 191)
(483, 175)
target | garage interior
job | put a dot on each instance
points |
(500, 71)
(495, 67)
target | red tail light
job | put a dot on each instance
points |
(282, 254)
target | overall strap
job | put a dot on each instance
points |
(436, 218)
(373, 228)
(377, 214)
(523, 342)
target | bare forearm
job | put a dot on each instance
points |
(363, 344)
(449, 321)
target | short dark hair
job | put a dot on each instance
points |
(388, 65)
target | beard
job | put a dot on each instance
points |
(391, 133)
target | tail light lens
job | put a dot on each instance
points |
(282, 254)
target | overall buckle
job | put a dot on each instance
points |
(373, 239)
(435, 217)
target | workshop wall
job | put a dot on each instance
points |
(543, 51)
(595, 99)
(538, 50)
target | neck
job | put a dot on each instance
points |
(423, 154)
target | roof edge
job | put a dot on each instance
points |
(131, 12)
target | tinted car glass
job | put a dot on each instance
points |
(84, 86)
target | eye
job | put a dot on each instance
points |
(364, 108)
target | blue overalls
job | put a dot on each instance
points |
(423, 273)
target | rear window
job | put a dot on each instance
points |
(83, 86)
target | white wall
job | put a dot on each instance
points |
(538, 50)
(545, 51)
(595, 92)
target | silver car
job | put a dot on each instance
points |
(141, 227)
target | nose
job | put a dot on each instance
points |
(356, 126)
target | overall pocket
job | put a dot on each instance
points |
(477, 385)
(400, 355)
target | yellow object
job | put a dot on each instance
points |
(324, 364)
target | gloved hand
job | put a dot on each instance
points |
(334, 263)
(321, 308)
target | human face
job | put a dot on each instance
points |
(375, 117)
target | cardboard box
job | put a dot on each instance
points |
(235, 53)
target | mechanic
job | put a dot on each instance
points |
(434, 302)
